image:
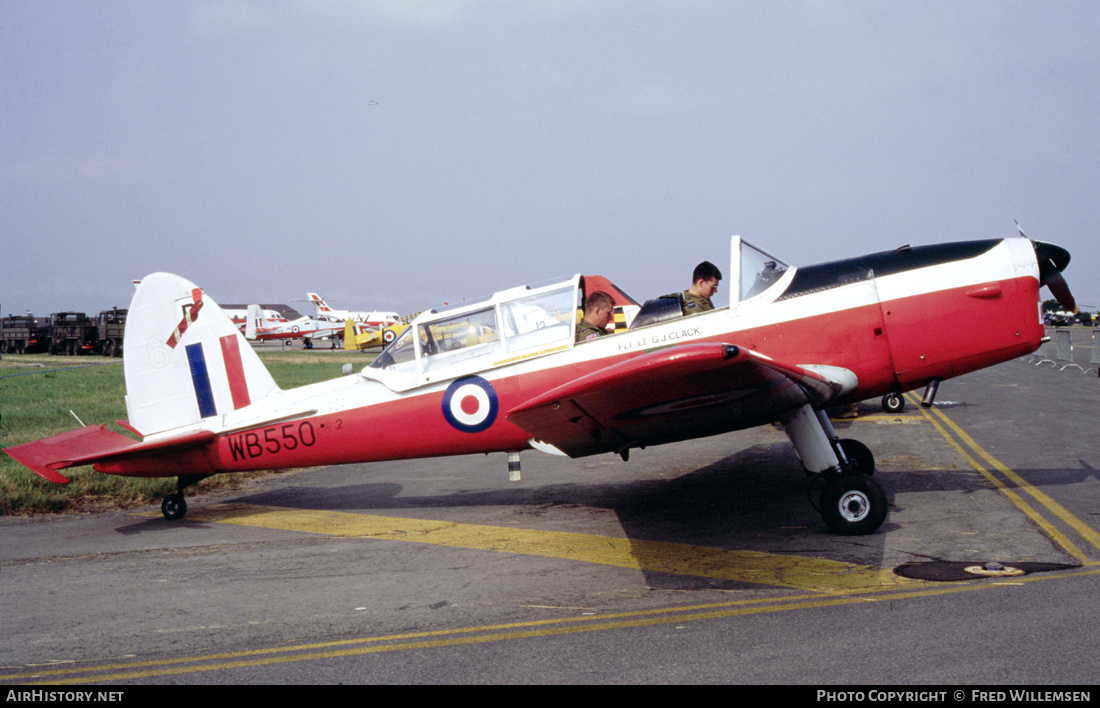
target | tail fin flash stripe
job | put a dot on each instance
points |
(200, 377)
(234, 369)
(190, 314)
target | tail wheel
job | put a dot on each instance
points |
(853, 504)
(173, 507)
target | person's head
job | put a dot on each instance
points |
(599, 309)
(705, 278)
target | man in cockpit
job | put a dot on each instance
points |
(599, 309)
(704, 283)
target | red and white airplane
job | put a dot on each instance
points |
(505, 375)
(370, 319)
(259, 328)
(240, 316)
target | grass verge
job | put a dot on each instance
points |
(38, 391)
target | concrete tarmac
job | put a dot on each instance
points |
(697, 562)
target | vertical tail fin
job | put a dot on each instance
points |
(318, 302)
(253, 321)
(185, 360)
(349, 336)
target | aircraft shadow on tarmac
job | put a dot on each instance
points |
(747, 493)
(754, 500)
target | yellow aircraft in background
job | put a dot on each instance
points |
(357, 337)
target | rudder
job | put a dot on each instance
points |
(185, 360)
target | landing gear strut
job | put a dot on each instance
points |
(852, 503)
(174, 506)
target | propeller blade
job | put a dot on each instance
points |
(1059, 288)
(1052, 261)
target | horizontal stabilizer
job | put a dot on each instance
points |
(93, 444)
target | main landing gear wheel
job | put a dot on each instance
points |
(173, 507)
(893, 403)
(853, 504)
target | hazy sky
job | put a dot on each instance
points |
(396, 155)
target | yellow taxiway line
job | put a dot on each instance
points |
(360, 646)
(942, 424)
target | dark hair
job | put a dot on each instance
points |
(705, 271)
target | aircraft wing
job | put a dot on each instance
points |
(679, 393)
(94, 444)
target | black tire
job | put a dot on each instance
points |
(893, 403)
(853, 505)
(859, 457)
(173, 507)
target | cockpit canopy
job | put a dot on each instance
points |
(512, 324)
(527, 322)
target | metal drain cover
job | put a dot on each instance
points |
(953, 571)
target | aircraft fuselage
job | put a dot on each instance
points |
(895, 320)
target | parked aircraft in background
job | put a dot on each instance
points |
(239, 316)
(505, 374)
(259, 328)
(370, 319)
(357, 336)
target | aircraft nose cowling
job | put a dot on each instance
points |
(1052, 261)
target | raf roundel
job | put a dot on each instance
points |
(470, 404)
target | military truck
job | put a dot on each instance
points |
(72, 333)
(111, 325)
(23, 334)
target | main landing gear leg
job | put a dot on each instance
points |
(852, 503)
(174, 506)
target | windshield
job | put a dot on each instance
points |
(399, 352)
(459, 332)
(758, 270)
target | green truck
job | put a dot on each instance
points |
(23, 334)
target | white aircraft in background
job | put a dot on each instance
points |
(259, 327)
(240, 317)
(370, 319)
